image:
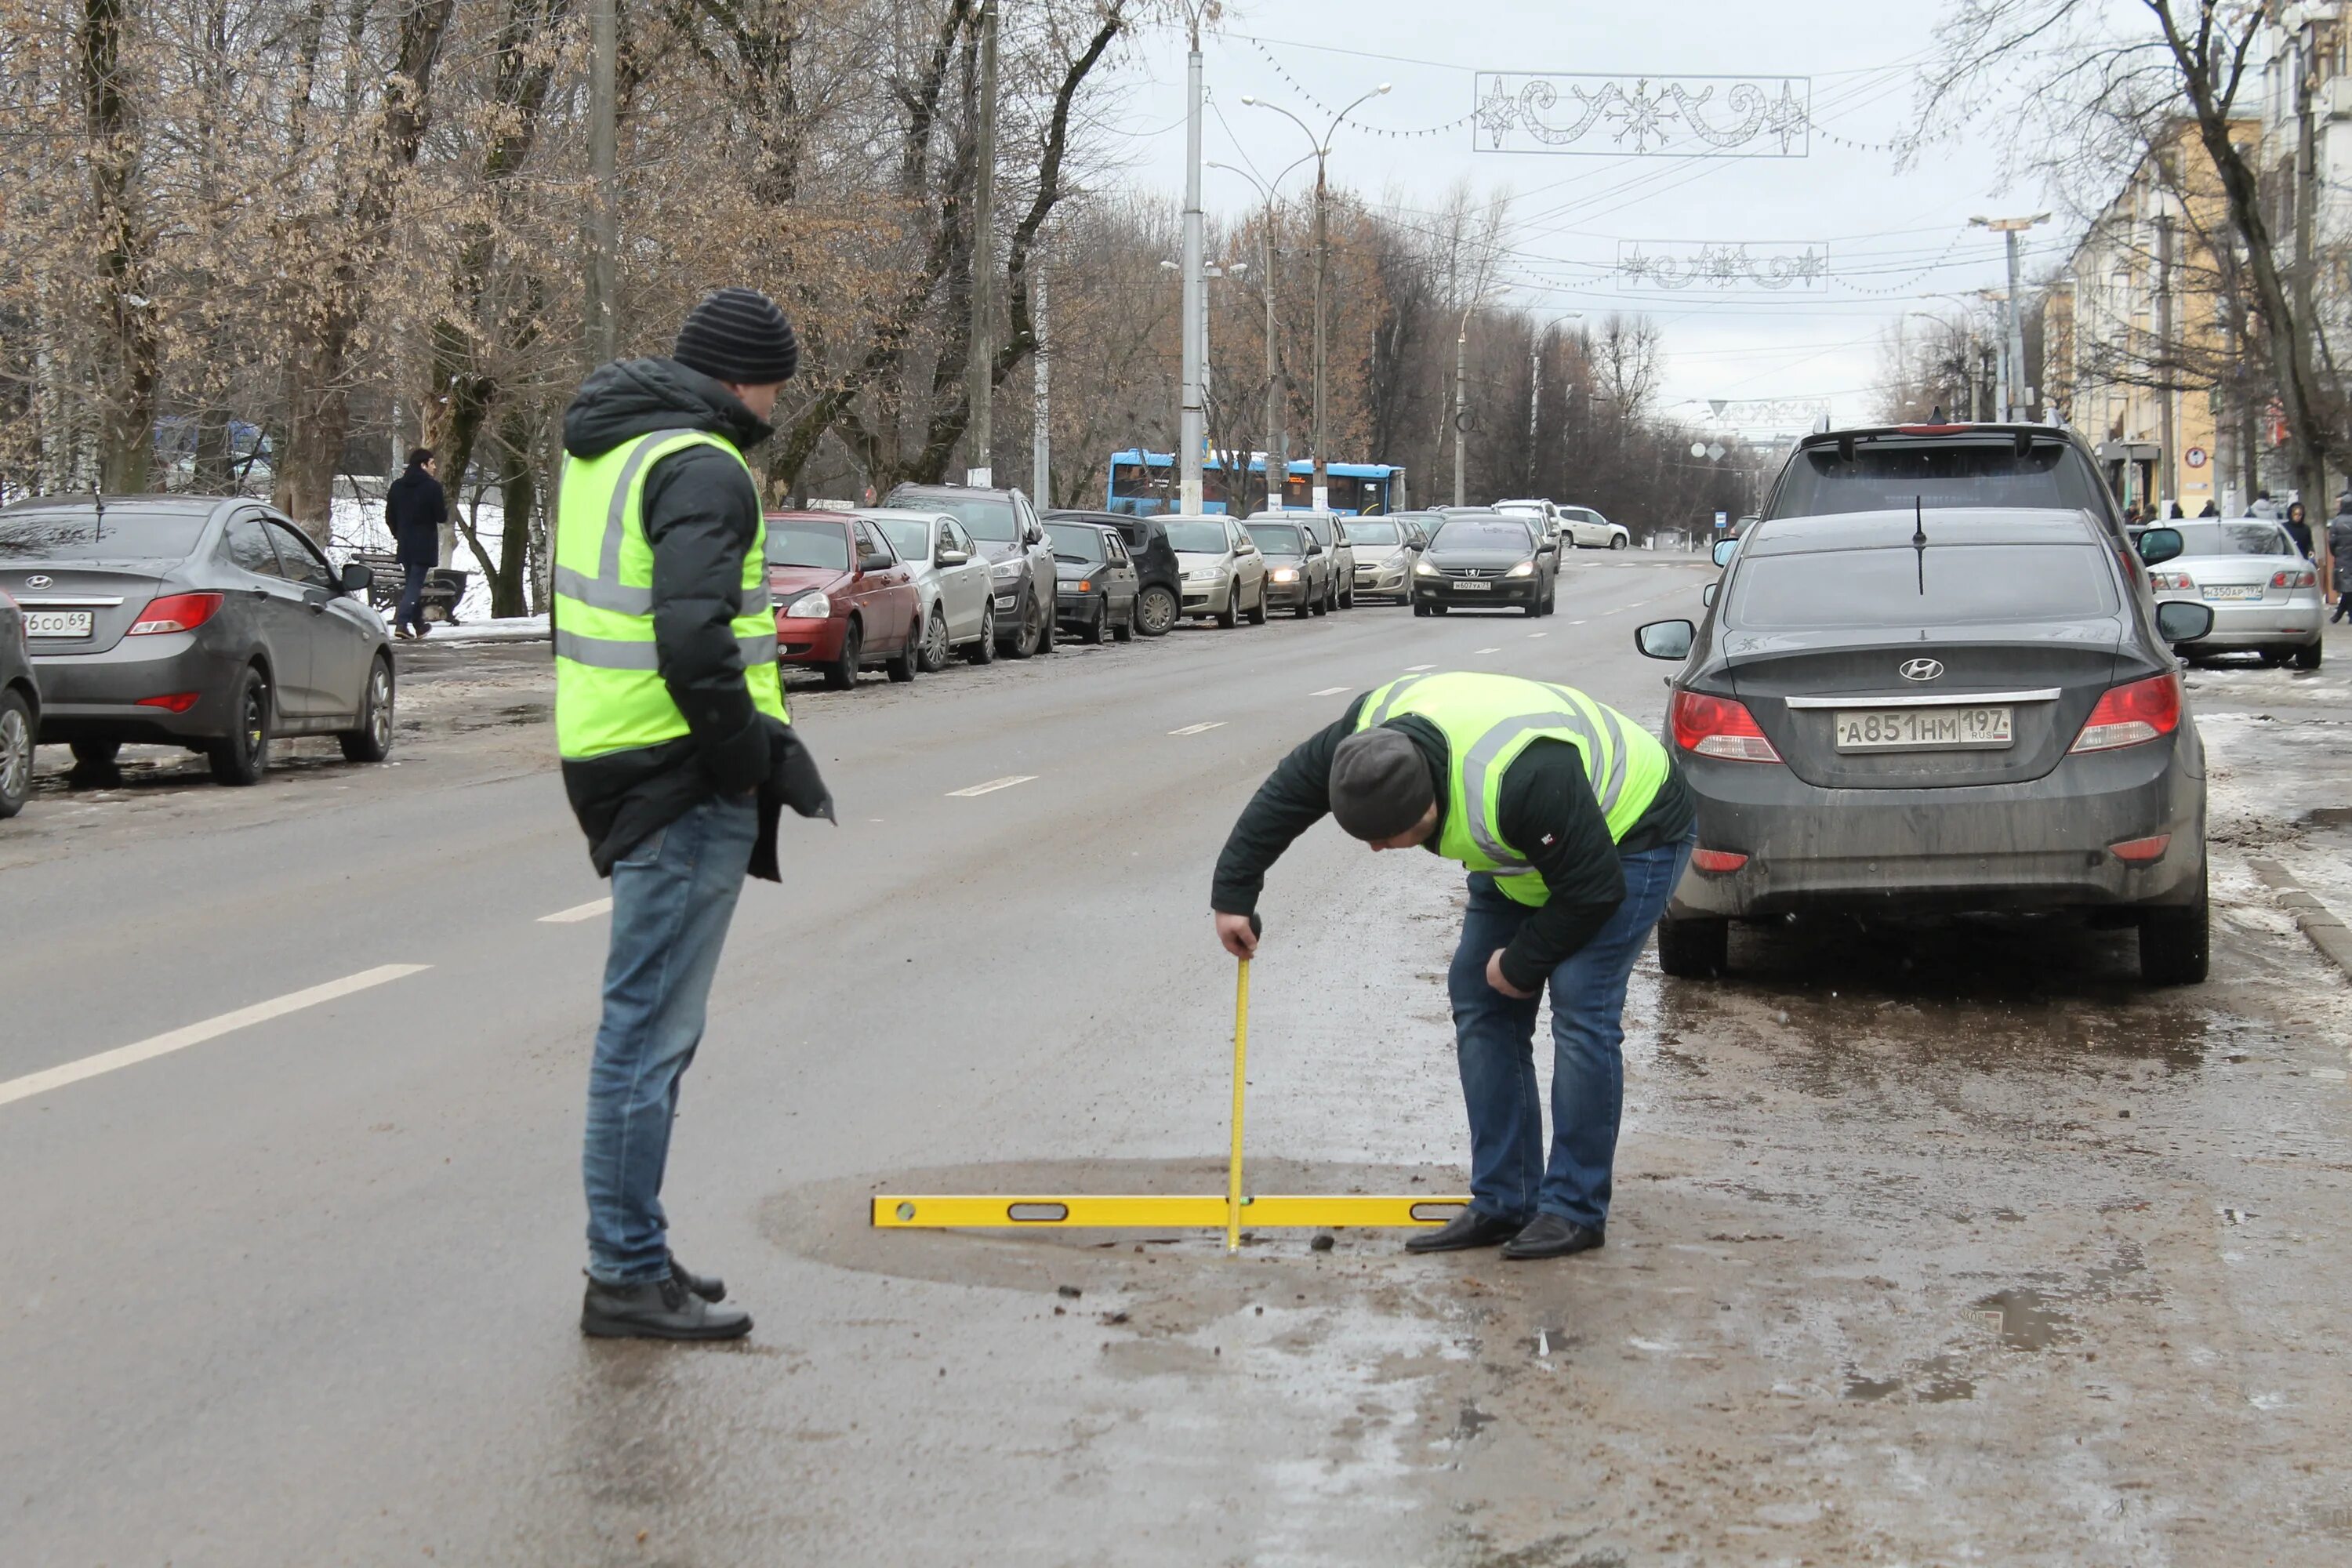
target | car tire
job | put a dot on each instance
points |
(1322, 606)
(1155, 611)
(984, 650)
(1257, 611)
(96, 755)
(1096, 631)
(1420, 609)
(1347, 600)
(371, 742)
(240, 757)
(841, 674)
(1694, 949)
(1303, 611)
(1231, 616)
(1618, 542)
(901, 667)
(2308, 656)
(16, 740)
(1124, 631)
(2176, 945)
(936, 651)
(1436, 609)
(1534, 608)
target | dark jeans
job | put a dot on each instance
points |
(1494, 1040)
(673, 896)
(412, 597)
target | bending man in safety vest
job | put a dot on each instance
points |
(1575, 827)
(677, 752)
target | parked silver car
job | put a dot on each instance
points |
(2263, 595)
(1383, 548)
(1005, 526)
(950, 582)
(1224, 574)
(199, 621)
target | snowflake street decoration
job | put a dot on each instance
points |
(1685, 264)
(1614, 116)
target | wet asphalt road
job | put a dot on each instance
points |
(1932, 1245)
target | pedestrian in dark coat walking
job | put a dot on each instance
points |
(2339, 547)
(414, 507)
(2298, 529)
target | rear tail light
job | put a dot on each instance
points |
(177, 701)
(2141, 851)
(174, 612)
(1719, 727)
(1718, 861)
(2176, 581)
(2291, 578)
(2132, 714)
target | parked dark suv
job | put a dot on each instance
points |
(1160, 587)
(1019, 560)
(20, 711)
(1889, 468)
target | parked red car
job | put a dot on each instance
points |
(844, 602)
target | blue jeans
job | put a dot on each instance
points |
(412, 595)
(1494, 1042)
(673, 896)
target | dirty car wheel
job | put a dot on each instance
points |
(15, 751)
(1694, 949)
(2176, 945)
(1155, 612)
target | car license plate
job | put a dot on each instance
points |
(1921, 729)
(58, 623)
(2240, 591)
(1472, 587)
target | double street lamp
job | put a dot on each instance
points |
(1321, 154)
(1278, 390)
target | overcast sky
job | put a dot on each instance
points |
(1890, 239)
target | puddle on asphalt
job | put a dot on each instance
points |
(2025, 1318)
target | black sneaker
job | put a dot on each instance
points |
(657, 1310)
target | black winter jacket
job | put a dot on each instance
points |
(414, 507)
(702, 512)
(2339, 547)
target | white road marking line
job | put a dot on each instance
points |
(1327, 691)
(1571, 623)
(1417, 668)
(196, 1034)
(1007, 781)
(1198, 729)
(1534, 635)
(587, 911)
(1621, 609)
(1480, 651)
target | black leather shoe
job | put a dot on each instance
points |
(709, 1287)
(657, 1310)
(1466, 1230)
(1548, 1236)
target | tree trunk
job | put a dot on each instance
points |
(132, 365)
(519, 499)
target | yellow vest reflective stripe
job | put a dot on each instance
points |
(609, 694)
(1488, 720)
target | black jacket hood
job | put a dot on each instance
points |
(631, 397)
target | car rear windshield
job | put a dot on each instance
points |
(1964, 584)
(1367, 530)
(1484, 534)
(1887, 475)
(1076, 540)
(983, 517)
(79, 534)
(823, 545)
(1278, 538)
(2255, 538)
(1198, 538)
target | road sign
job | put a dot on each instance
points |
(1722, 519)
(2196, 456)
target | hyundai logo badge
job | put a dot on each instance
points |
(38, 580)
(1923, 669)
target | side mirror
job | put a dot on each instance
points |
(1706, 595)
(2183, 620)
(2158, 545)
(1725, 549)
(1668, 639)
(354, 578)
(876, 562)
(954, 558)
(1313, 548)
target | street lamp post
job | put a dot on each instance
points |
(1322, 145)
(1277, 442)
(1535, 386)
(2012, 398)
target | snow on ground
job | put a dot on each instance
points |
(358, 524)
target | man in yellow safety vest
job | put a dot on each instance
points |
(678, 753)
(1575, 827)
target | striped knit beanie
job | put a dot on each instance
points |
(738, 336)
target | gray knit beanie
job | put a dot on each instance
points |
(1380, 786)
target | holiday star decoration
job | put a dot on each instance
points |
(1612, 116)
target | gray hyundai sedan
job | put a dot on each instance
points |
(1894, 712)
(193, 621)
